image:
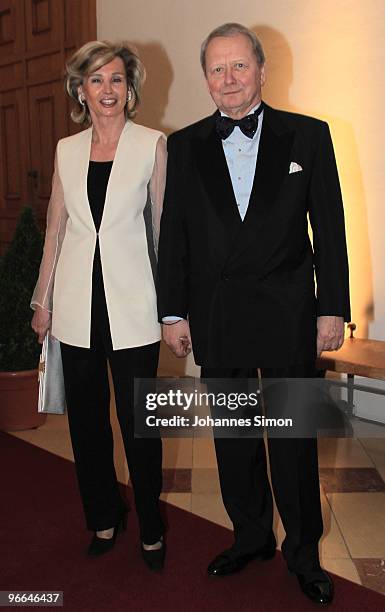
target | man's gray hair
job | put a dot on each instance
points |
(232, 29)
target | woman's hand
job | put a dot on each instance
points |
(41, 322)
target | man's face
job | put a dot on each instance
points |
(234, 77)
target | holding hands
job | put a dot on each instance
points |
(177, 337)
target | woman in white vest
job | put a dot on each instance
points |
(96, 285)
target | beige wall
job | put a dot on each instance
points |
(324, 58)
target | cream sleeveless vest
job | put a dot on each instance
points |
(127, 274)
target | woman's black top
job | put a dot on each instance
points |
(97, 182)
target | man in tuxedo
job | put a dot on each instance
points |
(236, 267)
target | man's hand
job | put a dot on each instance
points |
(41, 322)
(330, 333)
(177, 337)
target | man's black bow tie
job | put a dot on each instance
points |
(248, 125)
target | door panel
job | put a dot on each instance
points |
(44, 68)
(47, 113)
(11, 34)
(13, 160)
(36, 38)
(43, 24)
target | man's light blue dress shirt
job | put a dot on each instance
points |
(241, 156)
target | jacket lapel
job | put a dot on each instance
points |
(124, 158)
(77, 165)
(212, 167)
(272, 165)
(271, 169)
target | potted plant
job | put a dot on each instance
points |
(19, 350)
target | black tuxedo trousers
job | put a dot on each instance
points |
(245, 486)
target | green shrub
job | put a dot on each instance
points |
(19, 270)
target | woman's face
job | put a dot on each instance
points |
(105, 90)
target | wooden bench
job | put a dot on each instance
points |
(356, 357)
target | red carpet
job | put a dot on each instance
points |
(43, 539)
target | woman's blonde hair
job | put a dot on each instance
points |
(92, 56)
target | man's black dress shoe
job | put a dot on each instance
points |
(319, 590)
(99, 546)
(228, 563)
(154, 559)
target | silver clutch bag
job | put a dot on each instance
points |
(51, 381)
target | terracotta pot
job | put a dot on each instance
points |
(19, 393)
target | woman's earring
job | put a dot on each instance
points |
(129, 95)
(81, 99)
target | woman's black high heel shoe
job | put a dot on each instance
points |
(154, 559)
(99, 546)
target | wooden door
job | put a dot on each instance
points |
(36, 37)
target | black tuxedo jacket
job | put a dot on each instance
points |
(248, 287)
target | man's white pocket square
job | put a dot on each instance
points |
(294, 167)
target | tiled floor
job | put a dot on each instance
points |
(352, 492)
